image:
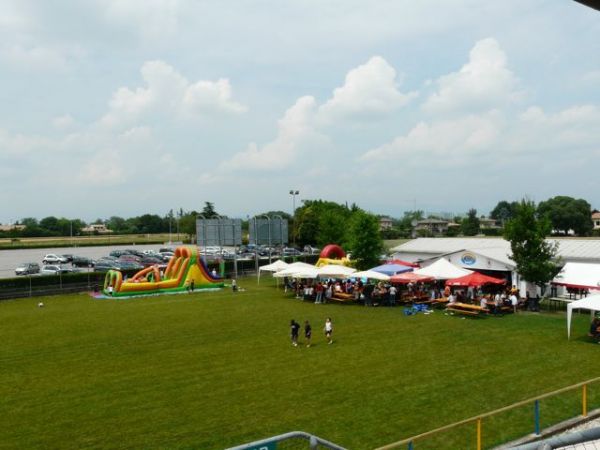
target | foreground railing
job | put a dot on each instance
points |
(477, 421)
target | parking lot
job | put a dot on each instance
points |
(10, 259)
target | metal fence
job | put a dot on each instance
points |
(530, 415)
(294, 440)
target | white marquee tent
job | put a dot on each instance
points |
(579, 275)
(292, 269)
(443, 270)
(592, 303)
(336, 271)
(371, 275)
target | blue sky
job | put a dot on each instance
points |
(122, 108)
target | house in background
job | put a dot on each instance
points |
(596, 219)
(385, 223)
(12, 227)
(98, 228)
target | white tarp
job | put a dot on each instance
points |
(372, 275)
(443, 270)
(336, 271)
(291, 269)
(579, 275)
(274, 267)
(592, 303)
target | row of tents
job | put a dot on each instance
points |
(393, 271)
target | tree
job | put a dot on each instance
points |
(504, 211)
(187, 223)
(209, 210)
(364, 240)
(567, 213)
(533, 255)
(331, 228)
(470, 224)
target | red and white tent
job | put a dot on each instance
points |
(410, 277)
(474, 279)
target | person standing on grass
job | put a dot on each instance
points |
(294, 329)
(329, 330)
(307, 332)
(514, 301)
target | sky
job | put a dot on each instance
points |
(111, 107)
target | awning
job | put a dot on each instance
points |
(474, 279)
(410, 277)
(391, 269)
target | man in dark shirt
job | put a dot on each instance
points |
(294, 329)
(307, 332)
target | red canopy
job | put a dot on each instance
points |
(410, 277)
(403, 263)
(474, 279)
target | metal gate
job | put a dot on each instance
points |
(295, 440)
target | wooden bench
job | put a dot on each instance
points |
(342, 297)
(465, 308)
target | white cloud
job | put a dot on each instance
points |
(483, 83)
(63, 122)
(369, 90)
(295, 129)
(206, 96)
(444, 142)
(167, 92)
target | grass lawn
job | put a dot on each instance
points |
(212, 370)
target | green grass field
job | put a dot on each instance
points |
(216, 369)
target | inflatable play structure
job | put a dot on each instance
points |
(333, 254)
(184, 268)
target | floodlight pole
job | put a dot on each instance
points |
(293, 193)
(203, 237)
(277, 216)
(269, 225)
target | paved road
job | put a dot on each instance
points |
(9, 259)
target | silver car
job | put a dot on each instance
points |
(27, 269)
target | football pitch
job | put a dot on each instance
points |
(211, 370)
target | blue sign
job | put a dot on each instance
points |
(267, 446)
(468, 259)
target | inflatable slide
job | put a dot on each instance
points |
(185, 267)
(333, 254)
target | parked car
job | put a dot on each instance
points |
(166, 250)
(82, 261)
(310, 250)
(151, 261)
(119, 253)
(104, 265)
(27, 269)
(54, 259)
(129, 265)
(133, 251)
(288, 251)
(130, 257)
(54, 269)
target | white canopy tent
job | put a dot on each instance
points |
(579, 275)
(291, 269)
(443, 270)
(273, 267)
(372, 275)
(336, 271)
(592, 303)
